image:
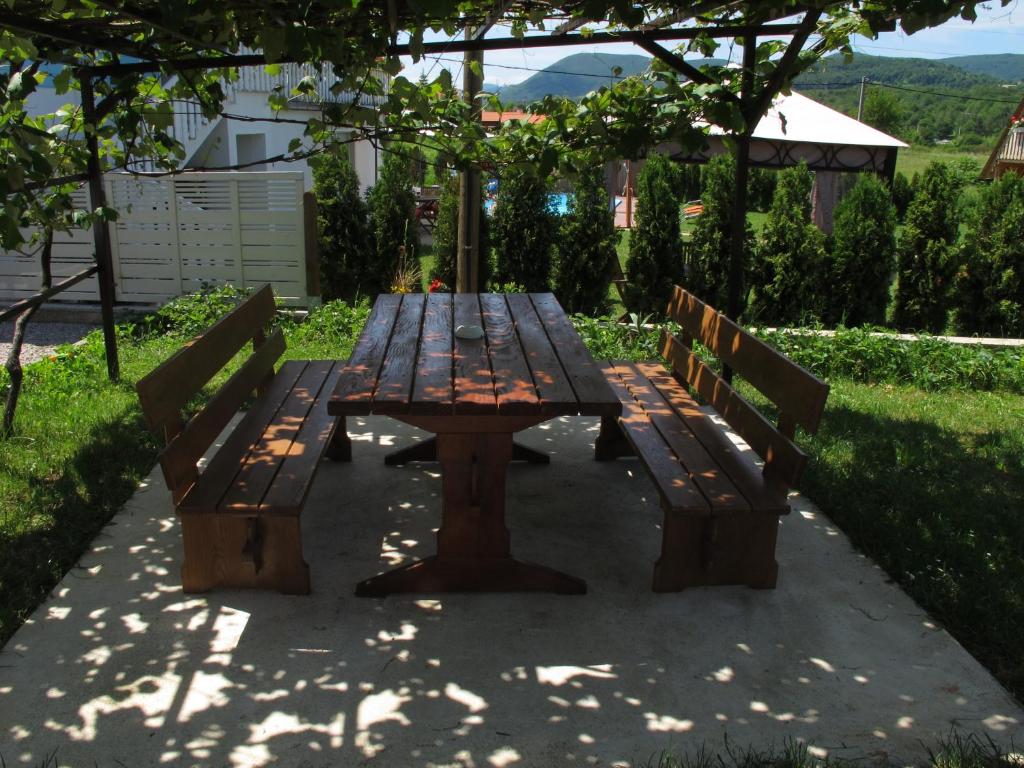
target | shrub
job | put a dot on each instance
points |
(927, 260)
(343, 230)
(523, 231)
(690, 181)
(990, 286)
(902, 194)
(655, 258)
(392, 208)
(789, 272)
(863, 255)
(585, 251)
(761, 188)
(446, 238)
(708, 252)
(193, 313)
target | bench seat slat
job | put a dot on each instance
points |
(260, 466)
(287, 494)
(761, 494)
(677, 489)
(713, 481)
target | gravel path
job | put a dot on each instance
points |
(41, 339)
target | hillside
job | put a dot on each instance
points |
(918, 100)
(966, 99)
(1005, 66)
(574, 76)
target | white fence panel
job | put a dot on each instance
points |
(72, 252)
(175, 235)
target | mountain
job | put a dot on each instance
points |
(1005, 66)
(918, 100)
(574, 76)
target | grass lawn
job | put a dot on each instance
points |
(914, 159)
(929, 484)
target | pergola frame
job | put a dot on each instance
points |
(113, 34)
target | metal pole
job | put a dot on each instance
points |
(100, 232)
(468, 252)
(860, 100)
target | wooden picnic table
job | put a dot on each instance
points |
(473, 394)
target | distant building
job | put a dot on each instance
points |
(1008, 154)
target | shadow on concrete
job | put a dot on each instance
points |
(119, 667)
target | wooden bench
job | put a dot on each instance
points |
(721, 514)
(240, 515)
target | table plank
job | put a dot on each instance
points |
(395, 382)
(592, 389)
(433, 391)
(474, 383)
(513, 383)
(557, 396)
(354, 392)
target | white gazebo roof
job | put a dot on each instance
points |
(798, 118)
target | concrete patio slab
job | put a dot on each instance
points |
(119, 667)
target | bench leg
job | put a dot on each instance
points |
(339, 448)
(714, 551)
(219, 552)
(611, 442)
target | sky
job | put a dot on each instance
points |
(997, 30)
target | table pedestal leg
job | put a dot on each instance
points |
(473, 553)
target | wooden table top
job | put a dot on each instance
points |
(531, 361)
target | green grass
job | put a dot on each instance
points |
(914, 159)
(931, 486)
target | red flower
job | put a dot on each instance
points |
(436, 285)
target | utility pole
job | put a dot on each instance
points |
(467, 268)
(860, 101)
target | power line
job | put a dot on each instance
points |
(813, 86)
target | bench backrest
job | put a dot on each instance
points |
(799, 394)
(165, 392)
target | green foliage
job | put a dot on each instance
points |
(990, 284)
(446, 238)
(927, 257)
(708, 252)
(607, 339)
(191, 314)
(523, 230)
(446, 233)
(392, 223)
(863, 255)
(902, 194)
(790, 265)
(882, 110)
(926, 362)
(333, 325)
(761, 188)
(690, 181)
(343, 229)
(655, 249)
(585, 251)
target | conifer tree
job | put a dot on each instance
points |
(926, 256)
(343, 230)
(708, 252)
(990, 284)
(655, 249)
(789, 271)
(446, 238)
(585, 251)
(393, 226)
(523, 229)
(863, 255)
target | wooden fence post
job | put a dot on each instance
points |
(309, 211)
